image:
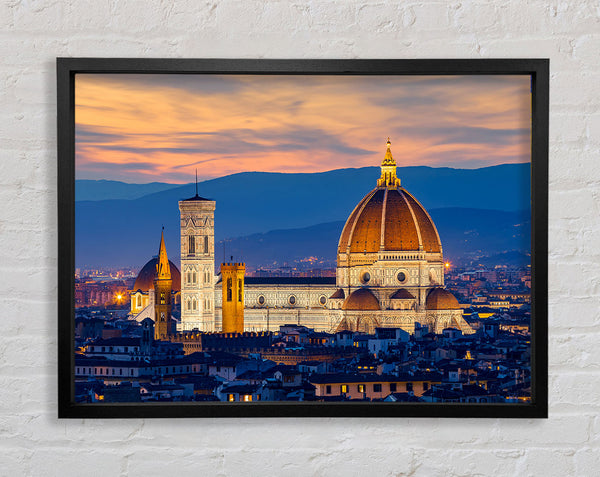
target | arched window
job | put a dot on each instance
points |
(139, 300)
(194, 276)
(229, 290)
(191, 244)
(194, 304)
(206, 244)
(189, 304)
(240, 285)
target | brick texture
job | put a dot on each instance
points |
(34, 442)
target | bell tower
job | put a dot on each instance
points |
(232, 279)
(162, 293)
(197, 226)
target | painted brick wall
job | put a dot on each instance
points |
(33, 442)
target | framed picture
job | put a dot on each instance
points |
(263, 238)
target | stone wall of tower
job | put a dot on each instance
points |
(232, 279)
(162, 308)
(197, 264)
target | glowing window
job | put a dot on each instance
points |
(344, 388)
(231, 397)
(247, 397)
(361, 388)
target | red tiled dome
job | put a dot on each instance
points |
(361, 299)
(441, 299)
(145, 279)
(389, 220)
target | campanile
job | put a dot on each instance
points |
(197, 225)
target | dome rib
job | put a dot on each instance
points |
(388, 219)
(344, 243)
(366, 234)
(430, 236)
(402, 232)
(383, 221)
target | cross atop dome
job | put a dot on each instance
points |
(388, 170)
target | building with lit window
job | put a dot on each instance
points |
(390, 273)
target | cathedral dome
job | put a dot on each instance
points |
(361, 299)
(145, 279)
(402, 294)
(389, 219)
(441, 299)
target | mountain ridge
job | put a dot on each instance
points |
(127, 231)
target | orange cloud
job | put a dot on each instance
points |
(142, 128)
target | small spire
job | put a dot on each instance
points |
(388, 169)
(163, 269)
(388, 160)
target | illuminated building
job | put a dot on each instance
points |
(142, 293)
(197, 263)
(162, 293)
(390, 273)
(232, 310)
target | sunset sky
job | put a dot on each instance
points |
(145, 128)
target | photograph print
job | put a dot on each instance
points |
(322, 239)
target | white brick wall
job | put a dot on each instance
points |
(33, 442)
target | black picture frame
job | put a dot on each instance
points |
(538, 69)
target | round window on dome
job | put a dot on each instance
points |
(261, 300)
(365, 277)
(401, 277)
(292, 300)
(322, 299)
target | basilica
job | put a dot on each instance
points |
(390, 273)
